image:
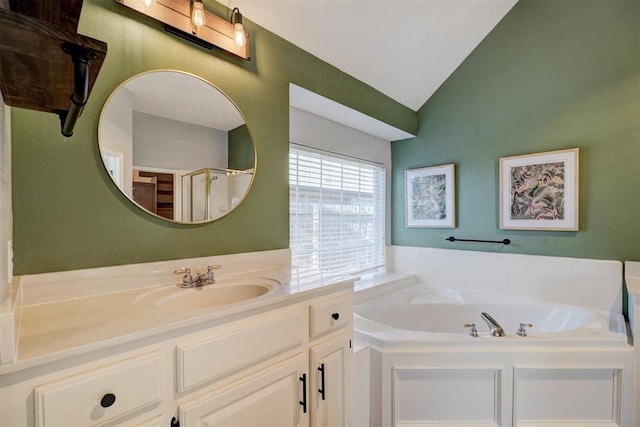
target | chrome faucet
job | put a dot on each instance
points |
(495, 330)
(200, 280)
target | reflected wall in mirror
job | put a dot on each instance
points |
(176, 146)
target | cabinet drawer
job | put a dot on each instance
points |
(100, 395)
(327, 316)
(237, 346)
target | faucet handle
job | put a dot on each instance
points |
(187, 279)
(472, 329)
(209, 277)
(522, 331)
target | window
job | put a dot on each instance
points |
(336, 214)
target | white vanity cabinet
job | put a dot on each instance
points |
(286, 366)
(252, 368)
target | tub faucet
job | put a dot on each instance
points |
(495, 330)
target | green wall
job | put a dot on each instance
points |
(241, 154)
(69, 215)
(552, 75)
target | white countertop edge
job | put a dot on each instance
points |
(632, 277)
(280, 299)
(633, 285)
(376, 284)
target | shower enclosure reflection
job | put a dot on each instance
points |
(209, 193)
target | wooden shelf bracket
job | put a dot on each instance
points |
(37, 37)
(80, 56)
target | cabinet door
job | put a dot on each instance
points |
(272, 398)
(330, 363)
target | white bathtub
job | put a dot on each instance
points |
(574, 367)
(420, 315)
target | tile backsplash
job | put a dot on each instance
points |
(587, 283)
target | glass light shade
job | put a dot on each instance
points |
(238, 33)
(197, 14)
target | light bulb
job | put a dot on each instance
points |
(197, 14)
(238, 32)
(238, 28)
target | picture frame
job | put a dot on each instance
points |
(540, 191)
(430, 197)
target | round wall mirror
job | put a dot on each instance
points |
(176, 146)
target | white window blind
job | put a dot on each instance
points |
(336, 213)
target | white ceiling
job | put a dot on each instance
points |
(404, 48)
(185, 98)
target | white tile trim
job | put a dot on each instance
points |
(595, 284)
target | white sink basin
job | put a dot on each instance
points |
(215, 295)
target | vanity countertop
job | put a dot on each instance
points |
(632, 277)
(53, 328)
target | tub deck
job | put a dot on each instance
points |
(427, 370)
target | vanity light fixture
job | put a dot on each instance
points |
(190, 20)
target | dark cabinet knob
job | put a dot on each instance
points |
(108, 400)
(335, 316)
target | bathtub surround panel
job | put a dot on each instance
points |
(446, 395)
(532, 388)
(551, 75)
(69, 215)
(595, 284)
(552, 393)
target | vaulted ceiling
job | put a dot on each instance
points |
(404, 48)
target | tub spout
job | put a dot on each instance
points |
(495, 330)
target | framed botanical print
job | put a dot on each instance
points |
(540, 191)
(430, 197)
